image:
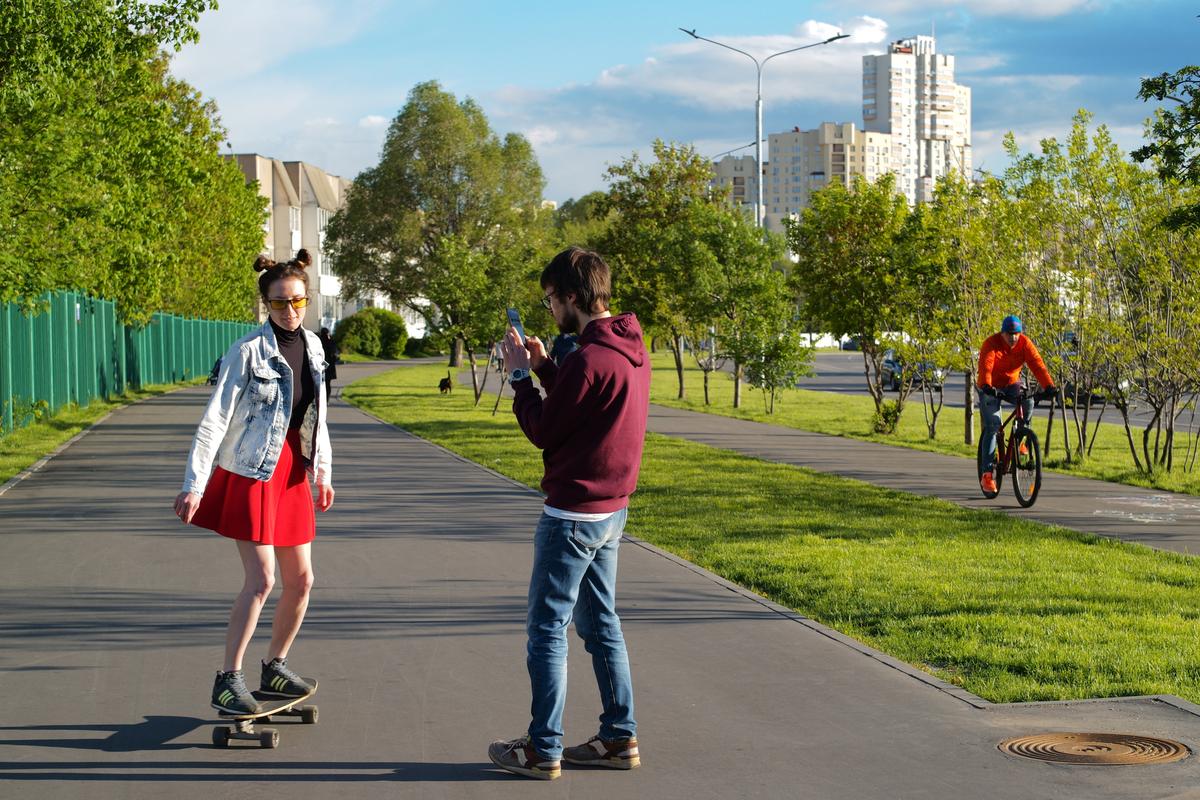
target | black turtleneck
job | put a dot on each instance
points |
(291, 344)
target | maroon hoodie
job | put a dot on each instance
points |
(592, 424)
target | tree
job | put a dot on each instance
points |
(738, 296)
(846, 274)
(111, 181)
(926, 307)
(448, 223)
(1174, 136)
(782, 359)
(656, 239)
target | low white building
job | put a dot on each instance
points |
(301, 199)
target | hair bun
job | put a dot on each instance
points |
(263, 263)
(302, 257)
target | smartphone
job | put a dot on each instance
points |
(514, 319)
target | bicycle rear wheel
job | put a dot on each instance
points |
(981, 454)
(1027, 467)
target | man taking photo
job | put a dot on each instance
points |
(590, 427)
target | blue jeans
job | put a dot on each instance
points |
(575, 577)
(989, 409)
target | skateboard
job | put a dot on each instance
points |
(243, 724)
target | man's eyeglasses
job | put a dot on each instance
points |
(546, 301)
(279, 304)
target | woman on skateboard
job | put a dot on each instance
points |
(262, 436)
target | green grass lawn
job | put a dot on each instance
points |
(850, 416)
(351, 357)
(1011, 610)
(26, 446)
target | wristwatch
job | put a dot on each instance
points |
(518, 374)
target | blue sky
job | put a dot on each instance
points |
(590, 83)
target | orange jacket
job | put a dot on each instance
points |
(1000, 365)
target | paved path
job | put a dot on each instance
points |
(112, 617)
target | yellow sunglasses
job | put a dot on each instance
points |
(280, 304)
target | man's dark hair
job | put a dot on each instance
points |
(581, 273)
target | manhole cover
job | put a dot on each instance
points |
(1096, 748)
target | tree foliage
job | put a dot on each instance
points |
(1174, 136)
(846, 274)
(111, 181)
(448, 223)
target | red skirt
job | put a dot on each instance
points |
(277, 512)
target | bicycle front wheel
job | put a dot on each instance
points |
(1027, 467)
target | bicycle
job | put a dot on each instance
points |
(1021, 455)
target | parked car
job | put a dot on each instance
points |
(893, 376)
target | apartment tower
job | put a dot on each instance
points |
(910, 93)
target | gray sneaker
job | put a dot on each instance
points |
(278, 680)
(519, 757)
(595, 752)
(231, 695)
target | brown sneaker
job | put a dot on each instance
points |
(595, 752)
(518, 757)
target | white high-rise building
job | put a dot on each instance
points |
(910, 93)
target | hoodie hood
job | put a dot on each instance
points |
(621, 333)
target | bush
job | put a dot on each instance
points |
(372, 332)
(358, 334)
(887, 418)
(392, 334)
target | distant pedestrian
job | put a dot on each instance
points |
(591, 428)
(246, 477)
(331, 358)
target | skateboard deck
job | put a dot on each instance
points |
(272, 706)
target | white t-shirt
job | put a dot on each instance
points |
(576, 516)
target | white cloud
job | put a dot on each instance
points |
(1042, 83)
(541, 135)
(1028, 9)
(718, 79)
(246, 37)
(372, 121)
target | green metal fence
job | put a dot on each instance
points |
(74, 351)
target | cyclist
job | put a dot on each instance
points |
(1001, 358)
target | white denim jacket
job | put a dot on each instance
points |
(244, 426)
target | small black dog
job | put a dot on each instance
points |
(445, 385)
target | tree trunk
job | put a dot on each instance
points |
(1049, 429)
(677, 351)
(475, 385)
(737, 385)
(1137, 462)
(456, 352)
(969, 411)
(1096, 426)
(707, 372)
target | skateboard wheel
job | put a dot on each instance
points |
(269, 739)
(308, 715)
(220, 737)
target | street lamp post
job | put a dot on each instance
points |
(758, 104)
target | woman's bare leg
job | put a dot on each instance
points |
(258, 562)
(295, 570)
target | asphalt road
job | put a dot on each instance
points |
(112, 619)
